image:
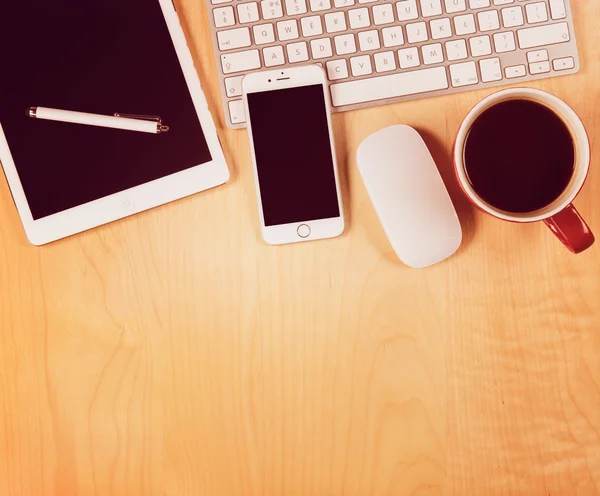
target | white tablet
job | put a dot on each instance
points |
(101, 58)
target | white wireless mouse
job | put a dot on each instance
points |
(409, 196)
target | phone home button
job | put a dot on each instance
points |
(303, 231)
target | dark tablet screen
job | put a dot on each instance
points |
(100, 58)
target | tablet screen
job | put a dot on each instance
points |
(98, 57)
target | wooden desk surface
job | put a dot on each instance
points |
(173, 353)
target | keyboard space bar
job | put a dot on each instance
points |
(390, 86)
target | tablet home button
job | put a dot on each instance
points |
(303, 231)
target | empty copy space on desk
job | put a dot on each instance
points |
(101, 58)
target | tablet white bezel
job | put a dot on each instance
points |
(139, 198)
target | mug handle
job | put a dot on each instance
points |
(571, 229)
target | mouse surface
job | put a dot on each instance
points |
(409, 196)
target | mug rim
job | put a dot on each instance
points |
(576, 128)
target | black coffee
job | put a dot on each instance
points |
(519, 156)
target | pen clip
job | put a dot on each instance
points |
(153, 118)
(150, 118)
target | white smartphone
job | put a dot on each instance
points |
(293, 153)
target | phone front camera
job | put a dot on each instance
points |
(269, 80)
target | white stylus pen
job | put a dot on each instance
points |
(141, 124)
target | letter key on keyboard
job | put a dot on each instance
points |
(376, 52)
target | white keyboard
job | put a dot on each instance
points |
(381, 51)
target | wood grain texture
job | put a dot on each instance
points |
(173, 353)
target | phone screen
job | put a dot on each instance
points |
(293, 155)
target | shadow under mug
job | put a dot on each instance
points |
(560, 216)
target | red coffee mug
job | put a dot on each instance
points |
(560, 216)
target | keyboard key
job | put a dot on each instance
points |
(318, 5)
(321, 48)
(392, 36)
(237, 112)
(431, 8)
(359, 18)
(368, 40)
(344, 44)
(516, 71)
(233, 86)
(385, 61)
(271, 9)
(407, 10)
(479, 4)
(224, 17)
(416, 32)
(558, 9)
(456, 50)
(464, 24)
(295, 7)
(247, 12)
(311, 26)
(563, 64)
(383, 14)
(240, 61)
(536, 12)
(480, 45)
(297, 52)
(433, 54)
(488, 20)
(337, 69)
(512, 16)
(263, 33)
(273, 56)
(490, 70)
(543, 35)
(505, 42)
(453, 6)
(440, 28)
(361, 65)
(539, 68)
(463, 74)
(377, 42)
(287, 30)
(389, 86)
(233, 38)
(409, 57)
(335, 22)
(537, 56)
